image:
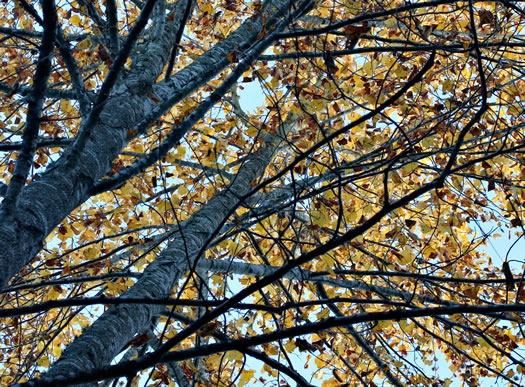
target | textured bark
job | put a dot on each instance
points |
(298, 274)
(101, 342)
(24, 161)
(45, 202)
(370, 193)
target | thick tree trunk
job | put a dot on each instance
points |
(101, 342)
(45, 202)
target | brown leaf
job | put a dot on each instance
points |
(410, 223)
(230, 5)
(232, 57)
(304, 345)
(486, 17)
(139, 340)
(131, 133)
(331, 67)
(263, 34)
(521, 293)
(52, 262)
(209, 329)
(509, 279)
(103, 53)
(515, 222)
(300, 169)
(171, 16)
(353, 33)
(485, 165)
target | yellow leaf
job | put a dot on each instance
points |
(319, 218)
(65, 105)
(246, 376)
(57, 351)
(269, 370)
(75, 20)
(207, 8)
(85, 44)
(25, 23)
(329, 261)
(91, 252)
(53, 293)
(113, 287)
(252, 131)
(319, 362)
(382, 325)
(391, 22)
(370, 67)
(234, 355)
(233, 248)
(43, 361)
(404, 326)
(289, 346)
(409, 168)
(408, 257)
(323, 314)
(483, 343)
(127, 189)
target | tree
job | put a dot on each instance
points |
(157, 229)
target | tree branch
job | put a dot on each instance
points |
(34, 110)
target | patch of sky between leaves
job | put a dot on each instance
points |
(251, 96)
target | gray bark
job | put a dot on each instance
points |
(45, 202)
(107, 336)
(251, 269)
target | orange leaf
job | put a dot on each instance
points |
(171, 16)
(232, 57)
(131, 133)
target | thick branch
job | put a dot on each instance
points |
(45, 202)
(113, 329)
(306, 329)
(112, 27)
(111, 78)
(34, 111)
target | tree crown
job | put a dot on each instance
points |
(237, 192)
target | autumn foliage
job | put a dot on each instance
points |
(284, 192)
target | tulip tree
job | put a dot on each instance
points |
(275, 192)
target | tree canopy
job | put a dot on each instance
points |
(275, 192)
